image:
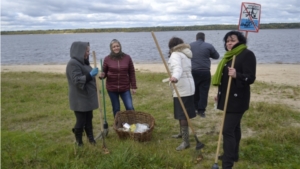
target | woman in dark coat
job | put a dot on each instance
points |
(243, 75)
(82, 90)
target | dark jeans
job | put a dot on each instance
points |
(115, 102)
(231, 138)
(202, 80)
(83, 119)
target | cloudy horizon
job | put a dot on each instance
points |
(54, 14)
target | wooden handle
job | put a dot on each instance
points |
(174, 86)
(224, 113)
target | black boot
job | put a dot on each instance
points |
(90, 134)
(78, 136)
(179, 135)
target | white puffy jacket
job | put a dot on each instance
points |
(180, 67)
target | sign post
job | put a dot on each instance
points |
(249, 17)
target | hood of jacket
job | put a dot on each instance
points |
(183, 48)
(78, 50)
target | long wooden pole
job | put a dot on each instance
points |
(174, 86)
(224, 112)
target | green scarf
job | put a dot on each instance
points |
(216, 80)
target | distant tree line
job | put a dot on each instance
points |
(155, 29)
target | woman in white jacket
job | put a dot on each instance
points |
(180, 67)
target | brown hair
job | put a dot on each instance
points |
(174, 42)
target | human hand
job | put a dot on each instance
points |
(94, 72)
(173, 80)
(133, 91)
(232, 72)
(102, 75)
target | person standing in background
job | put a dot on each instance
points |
(82, 90)
(202, 52)
(119, 72)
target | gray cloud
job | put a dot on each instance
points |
(74, 14)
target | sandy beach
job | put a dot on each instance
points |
(276, 73)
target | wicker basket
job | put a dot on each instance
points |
(133, 117)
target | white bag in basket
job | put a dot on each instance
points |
(140, 128)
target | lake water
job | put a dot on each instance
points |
(269, 46)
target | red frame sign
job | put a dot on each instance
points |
(249, 17)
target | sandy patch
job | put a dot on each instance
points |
(276, 73)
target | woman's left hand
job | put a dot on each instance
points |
(232, 72)
(133, 91)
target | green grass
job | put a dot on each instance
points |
(36, 127)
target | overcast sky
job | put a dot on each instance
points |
(74, 14)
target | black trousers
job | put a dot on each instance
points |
(202, 80)
(231, 138)
(84, 119)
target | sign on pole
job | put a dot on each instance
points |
(250, 17)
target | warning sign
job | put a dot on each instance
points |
(250, 17)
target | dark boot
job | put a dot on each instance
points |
(78, 136)
(185, 138)
(179, 135)
(90, 134)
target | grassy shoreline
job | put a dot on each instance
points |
(36, 128)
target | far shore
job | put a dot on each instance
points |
(288, 74)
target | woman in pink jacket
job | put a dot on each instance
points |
(119, 72)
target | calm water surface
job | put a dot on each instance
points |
(269, 46)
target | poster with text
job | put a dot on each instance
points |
(250, 17)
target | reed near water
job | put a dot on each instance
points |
(36, 128)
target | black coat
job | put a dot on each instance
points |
(239, 96)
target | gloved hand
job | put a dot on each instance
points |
(94, 72)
